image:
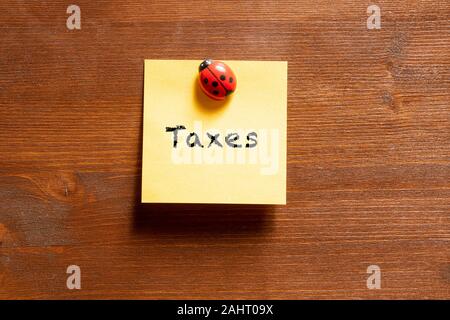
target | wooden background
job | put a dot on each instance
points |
(368, 152)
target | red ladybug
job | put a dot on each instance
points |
(217, 80)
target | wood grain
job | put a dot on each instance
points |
(368, 153)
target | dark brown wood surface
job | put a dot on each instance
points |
(368, 152)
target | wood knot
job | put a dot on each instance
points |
(398, 43)
(64, 186)
(389, 100)
(6, 237)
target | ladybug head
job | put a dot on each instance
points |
(204, 64)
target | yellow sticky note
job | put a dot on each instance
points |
(244, 163)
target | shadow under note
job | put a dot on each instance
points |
(202, 219)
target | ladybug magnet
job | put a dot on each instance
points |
(217, 80)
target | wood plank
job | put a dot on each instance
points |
(368, 153)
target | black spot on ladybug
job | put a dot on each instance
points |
(222, 77)
(215, 84)
(205, 80)
(231, 80)
(215, 92)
